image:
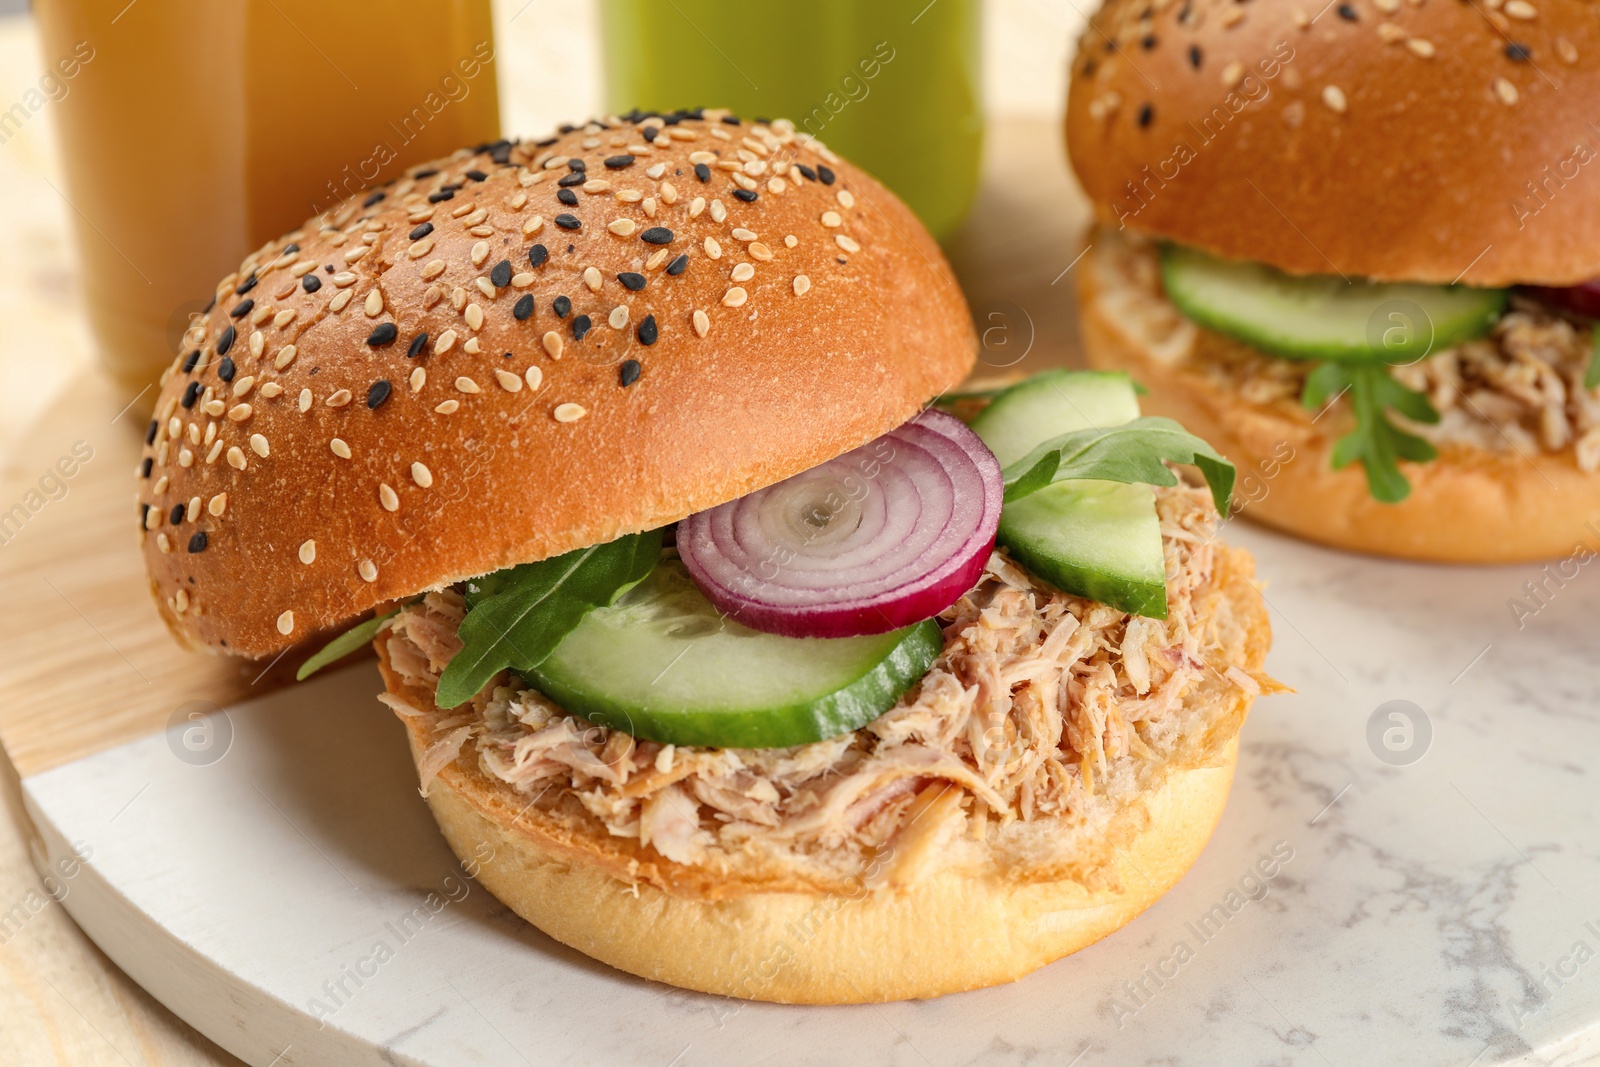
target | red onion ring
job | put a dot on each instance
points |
(1583, 298)
(876, 539)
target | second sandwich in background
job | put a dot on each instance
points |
(1354, 250)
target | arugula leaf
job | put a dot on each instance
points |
(344, 644)
(523, 613)
(1134, 452)
(1376, 442)
(1591, 375)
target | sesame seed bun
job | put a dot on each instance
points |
(956, 927)
(1397, 141)
(500, 358)
(1465, 506)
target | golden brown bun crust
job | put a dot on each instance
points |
(788, 378)
(961, 929)
(1466, 506)
(1425, 167)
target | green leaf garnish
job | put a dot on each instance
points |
(1376, 442)
(518, 616)
(1591, 375)
(1134, 452)
(344, 644)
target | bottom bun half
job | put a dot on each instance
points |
(1466, 506)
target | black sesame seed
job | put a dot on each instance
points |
(580, 327)
(190, 395)
(1194, 56)
(546, 143)
(810, 174)
(372, 198)
(210, 304)
(571, 249)
(568, 222)
(190, 361)
(648, 331)
(747, 195)
(576, 177)
(630, 372)
(649, 134)
(501, 274)
(702, 172)
(1146, 115)
(241, 309)
(328, 268)
(311, 283)
(246, 285)
(631, 281)
(175, 516)
(618, 162)
(567, 197)
(477, 175)
(427, 172)
(656, 235)
(144, 515)
(1518, 52)
(1147, 42)
(678, 266)
(225, 342)
(289, 250)
(197, 543)
(522, 310)
(421, 231)
(538, 254)
(1348, 13)
(731, 120)
(226, 369)
(378, 392)
(383, 334)
(825, 174)
(151, 431)
(561, 306)
(442, 195)
(418, 343)
(576, 164)
(501, 154)
(145, 467)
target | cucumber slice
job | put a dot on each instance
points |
(1050, 404)
(663, 664)
(1099, 540)
(1324, 317)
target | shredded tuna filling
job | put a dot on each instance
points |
(1041, 714)
(1519, 388)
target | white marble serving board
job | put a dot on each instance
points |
(1441, 912)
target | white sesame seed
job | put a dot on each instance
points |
(741, 234)
(508, 381)
(214, 408)
(596, 185)
(522, 280)
(284, 357)
(846, 242)
(284, 318)
(1420, 47)
(480, 252)
(286, 623)
(658, 257)
(552, 344)
(1566, 50)
(339, 448)
(271, 390)
(702, 322)
(162, 542)
(180, 601)
(305, 400)
(592, 278)
(534, 377)
(759, 252)
(743, 272)
(718, 212)
(1233, 74)
(569, 412)
(338, 398)
(343, 279)
(185, 458)
(368, 569)
(630, 196)
(388, 497)
(258, 445)
(1333, 98)
(192, 512)
(702, 157)
(218, 504)
(713, 249)
(466, 385)
(236, 458)
(846, 198)
(419, 378)
(669, 193)
(832, 219)
(422, 475)
(474, 316)
(734, 297)
(802, 285)
(340, 300)
(448, 407)
(776, 185)
(239, 412)
(533, 225)
(374, 304)
(618, 317)
(696, 206)
(1505, 91)
(1520, 9)
(308, 552)
(445, 342)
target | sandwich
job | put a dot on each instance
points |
(726, 655)
(1354, 246)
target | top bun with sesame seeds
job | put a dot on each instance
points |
(1392, 139)
(525, 349)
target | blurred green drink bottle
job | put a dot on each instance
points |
(892, 85)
